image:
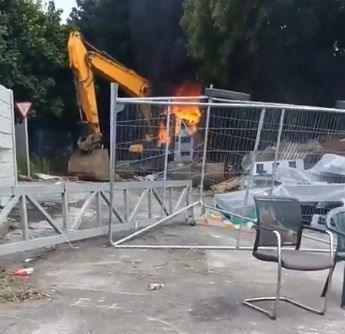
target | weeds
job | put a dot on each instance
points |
(16, 290)
(42, 165)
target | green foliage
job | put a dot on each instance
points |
(33, 58)
(42, 165)
(283, 50)
(106, 23)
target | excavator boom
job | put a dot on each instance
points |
(84, 80)
(91, 160)
(128, 80)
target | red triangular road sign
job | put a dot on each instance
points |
(24, 108)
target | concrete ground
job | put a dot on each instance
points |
(100, 289)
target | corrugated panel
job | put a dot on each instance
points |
(4, 95)
(6, 141)
(6, 156)
(7, 161)
(5, 123)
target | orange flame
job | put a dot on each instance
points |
(189, 115)
(163, 137)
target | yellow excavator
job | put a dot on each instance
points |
(91, 160)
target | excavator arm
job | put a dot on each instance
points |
(130, 82)
(87, 62)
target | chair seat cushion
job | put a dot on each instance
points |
(296, 260)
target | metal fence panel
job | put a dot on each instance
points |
(235, 146)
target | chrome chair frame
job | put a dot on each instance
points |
(278, 298)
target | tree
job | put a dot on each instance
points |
(106, 24)
(283, 50)
(33, 60)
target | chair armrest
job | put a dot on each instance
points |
(263, 228)
(278, 237)
(325, 231)
(336, 231)
(312, 228)
(331, 243)
(329, 217)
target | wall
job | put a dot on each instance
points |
(8, 165)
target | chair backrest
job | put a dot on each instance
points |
(335, 221)
(278, 214)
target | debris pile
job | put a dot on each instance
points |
(17, 290)
(228, 185)
(155, 286)
(228, 222)
(305, 172)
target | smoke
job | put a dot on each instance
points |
(159, 44)
(146, 37)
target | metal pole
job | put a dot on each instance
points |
(149, 204)
(250, 175)
(113, 119)
(99, 208)
(185, 247)
(14, 150)
(204, 156)
(253, 105)
(170, 200)
(65, 216)
(166, 98)
(27, 153)
(189, 199)
(210, 247)
(161, 221)
(276, 153)
(166, 156)
(125, 202)
(24, 218)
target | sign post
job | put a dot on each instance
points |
(24, 108)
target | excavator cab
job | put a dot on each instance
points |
(91, 160)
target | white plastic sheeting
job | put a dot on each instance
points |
(329, 164)
(234, 202)
(329, 169)
(305, 185)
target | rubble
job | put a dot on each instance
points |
(7, 226)
(334, 145)
(47, 177)
(25, 178)
(17, 290)
(287, 151)
(228, 185)
(228, 222)
(155, 286)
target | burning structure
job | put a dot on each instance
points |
(152, 137)
(186, 122)
(183, 141)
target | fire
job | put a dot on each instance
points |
(163, 137)
(189, 115)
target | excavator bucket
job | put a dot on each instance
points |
(90, 166)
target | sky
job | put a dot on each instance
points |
(66, 5)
